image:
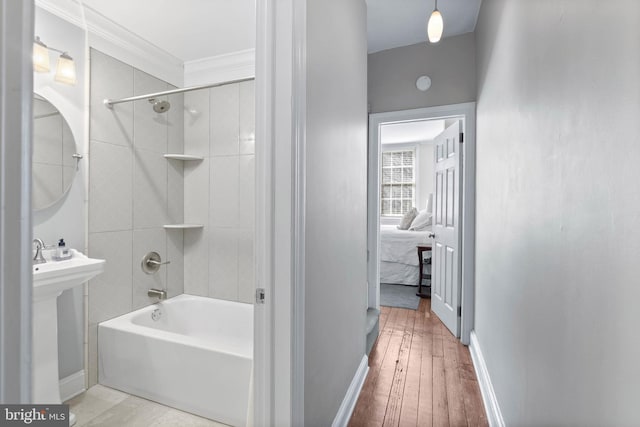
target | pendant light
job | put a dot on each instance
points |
(435, 26)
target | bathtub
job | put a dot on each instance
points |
(191, 353)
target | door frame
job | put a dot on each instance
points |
(466, 112)
(16, 74)
(279, 258)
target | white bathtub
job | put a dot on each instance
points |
(196, 357)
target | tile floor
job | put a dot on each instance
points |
(103, 406)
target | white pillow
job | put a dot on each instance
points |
(421, 221)
(407, 219)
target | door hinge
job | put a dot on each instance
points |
(459, 311)
(260, 296)
(461, 137)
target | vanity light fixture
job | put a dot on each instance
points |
(40, 56)
(66, 68)
(435, 26)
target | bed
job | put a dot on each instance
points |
(399, 256)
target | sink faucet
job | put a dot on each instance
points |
(38, 257)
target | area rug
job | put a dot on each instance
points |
(399, 296)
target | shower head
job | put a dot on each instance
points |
(160, 106)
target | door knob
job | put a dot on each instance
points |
(432, 235)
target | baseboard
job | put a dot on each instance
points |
(491, 405)
(72, 386)
(351, 397)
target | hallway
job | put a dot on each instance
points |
(419, 375)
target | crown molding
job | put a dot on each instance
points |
(113, 39)
(61, 10)
(220, 68)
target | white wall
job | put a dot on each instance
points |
(558, 209)
(66, 219)
(450, 64)
(336, 204)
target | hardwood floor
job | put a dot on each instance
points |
(419, 375)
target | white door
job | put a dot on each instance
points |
(446, 262)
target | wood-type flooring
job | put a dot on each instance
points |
(419, 375)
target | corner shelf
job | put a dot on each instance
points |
(181, 226)
(184, 157)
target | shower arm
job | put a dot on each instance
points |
(109, 103)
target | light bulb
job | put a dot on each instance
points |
(40, 57)
(435, 27)
(66, 70)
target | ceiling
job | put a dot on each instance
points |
(187, 29)
(416, 131)
(395, 23)
(196, 29)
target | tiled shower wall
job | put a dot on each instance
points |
(219, 192)
(133, 192)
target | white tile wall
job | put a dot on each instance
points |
(196, 192)
(133, 192)
(175, 270)
(175, 191)
(110, 187)
(111, 79)
(196, 123)
(196, 262)
(246, 276)
(150, 130)
(175, 117)
(110, 292)
(247, 117)
(220, 192)
(225, 120)
(223, 262)
(150, 207)
(225, 196)
(246, 206)
(145, 241)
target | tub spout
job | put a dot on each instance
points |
(157, 293)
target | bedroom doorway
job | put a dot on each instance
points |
(403, 155)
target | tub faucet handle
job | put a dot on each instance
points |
(151, 262)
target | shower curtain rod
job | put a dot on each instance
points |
(109, 103)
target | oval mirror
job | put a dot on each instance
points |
(54, 149)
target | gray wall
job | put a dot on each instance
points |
(558, 209)
(336, 204)
(450, 64)
(66, 219)
(133, 192)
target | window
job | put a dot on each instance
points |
(398, 182)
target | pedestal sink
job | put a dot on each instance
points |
(50, 279)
